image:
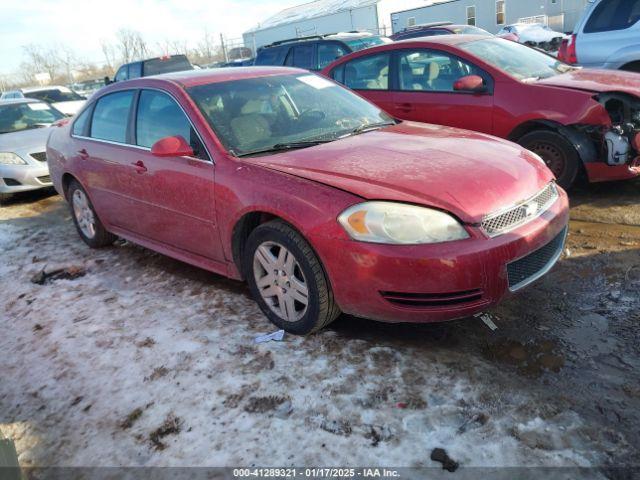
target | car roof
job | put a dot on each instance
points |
(19, 100)
(191, 78)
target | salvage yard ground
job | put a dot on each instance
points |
(125, 357)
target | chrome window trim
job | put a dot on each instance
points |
(210, 161)
(543, 271)
(518, 205)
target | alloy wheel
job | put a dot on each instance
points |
(280, 281)
(83, 213)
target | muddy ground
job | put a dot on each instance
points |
(131, 358)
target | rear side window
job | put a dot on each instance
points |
(271, 56)
(81, 123)
(159, 116)
(613, 15)
(110, 117)
(328, 52)
(156, 66)
(368, 73)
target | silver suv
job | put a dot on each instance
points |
(607, 36)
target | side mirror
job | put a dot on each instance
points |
(172, 147)
(470, 83)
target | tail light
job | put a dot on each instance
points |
(567, 52)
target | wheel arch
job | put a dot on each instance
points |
(580, 141)
(67, 178)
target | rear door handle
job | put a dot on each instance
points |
(404, 107)
(140, 168)
(83, 154)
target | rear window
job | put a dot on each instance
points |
(365, 42)
(613, 15)
(156, 66)
(54, 95)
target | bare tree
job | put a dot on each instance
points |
(41, 60)
(131, 45)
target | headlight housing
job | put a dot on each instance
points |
(400, 224)
(9, 158)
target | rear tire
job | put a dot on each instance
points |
(287, 279)
(87, 223)
(557, 152)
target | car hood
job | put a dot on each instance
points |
(69, 108)
(597, 81)
(466, 173)
(24, 139)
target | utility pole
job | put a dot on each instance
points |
(224, 48)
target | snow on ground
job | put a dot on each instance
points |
(147, 361)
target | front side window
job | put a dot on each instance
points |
(430, 70)
(500, 15)
(159, 116)
(368, 73)
(25, 116)
(613, 15)
(122, 74)
(471, 15)
(328, 52)
(259, 115)
(110, 117)
(135, 70)
(519, 61)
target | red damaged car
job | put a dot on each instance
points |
(316, 197)
(578, 121)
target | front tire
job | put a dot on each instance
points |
(557, 152)
(87, 223)
(287, 279)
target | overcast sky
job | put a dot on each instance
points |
(82, 24)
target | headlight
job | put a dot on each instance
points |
(8, 158)
(398, 223)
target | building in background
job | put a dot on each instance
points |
(492, 15)
(328, 16)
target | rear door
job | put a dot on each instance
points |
(173, 196)
(423, 90)
(612, 26)
(104, 157)
(369, 76)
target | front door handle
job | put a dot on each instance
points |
(404, 107)
(140, 168)
(83, 154)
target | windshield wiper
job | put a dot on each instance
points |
(279, 147)
(368, 127)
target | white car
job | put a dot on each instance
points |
(62, 98)
(535, 35)
(24, 130)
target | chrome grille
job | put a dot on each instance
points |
(40, 156)
(506, 220)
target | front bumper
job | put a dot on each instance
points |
(431, 283)
(20, 178)
(601, 172)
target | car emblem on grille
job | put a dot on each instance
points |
(530, 209)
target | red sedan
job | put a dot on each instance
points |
(578, 121)
(316, 197)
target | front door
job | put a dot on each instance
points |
(425, 93)
(174, 196)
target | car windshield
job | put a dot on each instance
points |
(23, 116)
(519, 61)
(365, 42)
(54, 95)
(259, 115)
